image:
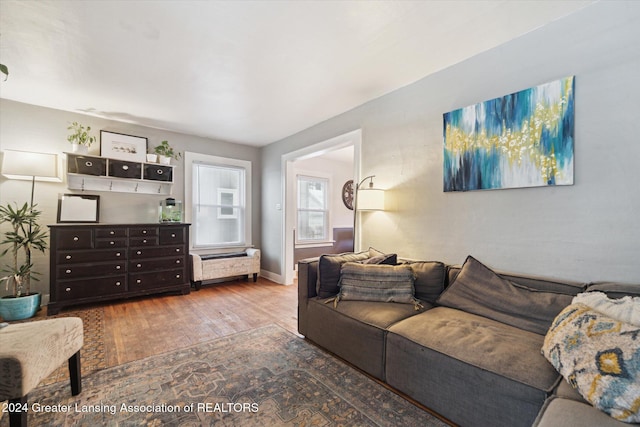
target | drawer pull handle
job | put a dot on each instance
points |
(177, 261)
(139, 265)
(112, 232)
(118, 283)
(68, 271)
(118, 254)
(68, 257)
(117, 267)
(125, 167)
(68, 290)
(139, 253)
(88, 164)
(76, 238)
(112, 243)
(144, 241)
(138, 281)
(144, 231)
(177, 276)
(178, 250)
(159, 171)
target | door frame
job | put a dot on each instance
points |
(353, 138)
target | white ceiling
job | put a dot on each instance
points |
(250, 72)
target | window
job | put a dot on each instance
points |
(313, 209)
(218, 201)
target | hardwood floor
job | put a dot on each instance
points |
(142, 327)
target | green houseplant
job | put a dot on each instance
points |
(80, 139)
(166, 152)
(24, 236)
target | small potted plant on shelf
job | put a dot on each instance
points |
(24, 237)
(165, 153)
(80, 139)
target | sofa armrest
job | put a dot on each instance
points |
(196, 267)
(307, 277)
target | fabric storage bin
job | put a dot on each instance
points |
(158, 172)
(124, 169)
(86, 165)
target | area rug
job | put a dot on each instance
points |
(93, 351)
(262, 377)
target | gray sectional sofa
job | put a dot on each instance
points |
(470, 352)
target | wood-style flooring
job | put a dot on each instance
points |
(143, 327)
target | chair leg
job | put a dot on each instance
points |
(17, 412)
(75, 374)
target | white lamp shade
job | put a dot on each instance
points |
(27, 165)
(370, 199)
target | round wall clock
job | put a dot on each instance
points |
(347, 194)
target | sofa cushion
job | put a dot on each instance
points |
(478, 290)
(355, 330)
(385, 259)
(600, 357)
(570, 413)
(374, 282)
(429, 279)
(329, 266)
(484, 343)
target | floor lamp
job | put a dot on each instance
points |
(366, 199)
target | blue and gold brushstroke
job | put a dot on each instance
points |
(520, 140)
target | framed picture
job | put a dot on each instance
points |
(78, 208)
(123, 147)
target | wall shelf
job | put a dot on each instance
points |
(95, 173)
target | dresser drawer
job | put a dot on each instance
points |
(90, 270)
(143, 231)
(157, 252)
(75, 257)
(110, 232)
(171, 235)
(156, 279)
(143, 241)
(117, 242)
(75, 239)
(156, 264)
(75, 289)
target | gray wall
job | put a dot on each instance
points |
(588, 231)
(32, 128)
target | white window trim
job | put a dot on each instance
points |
(329, 239)
(189, 159)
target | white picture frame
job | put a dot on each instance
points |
(123, 147)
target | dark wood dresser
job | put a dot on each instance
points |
(101, 262)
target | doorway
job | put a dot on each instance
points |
(305, 162)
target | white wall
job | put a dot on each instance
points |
(32, 128)
(588, 231)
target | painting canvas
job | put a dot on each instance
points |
(520, 140)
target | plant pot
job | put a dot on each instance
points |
(152, 158)
(80, 149)
(164, 160)
(22, 307)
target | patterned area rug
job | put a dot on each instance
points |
(263, 377)
(92, 354)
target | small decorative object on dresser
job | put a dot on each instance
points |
(101, 262)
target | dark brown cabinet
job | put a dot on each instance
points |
(100, 262)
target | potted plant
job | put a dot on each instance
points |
(25, 236)
(80, 139)
(165, 153)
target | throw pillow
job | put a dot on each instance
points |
(376, 282)
(429, 282)
(386, 259)
(329, 271)
(600, 357)
(625, 309)
(478, 290)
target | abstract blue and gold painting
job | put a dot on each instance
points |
(520, 140)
